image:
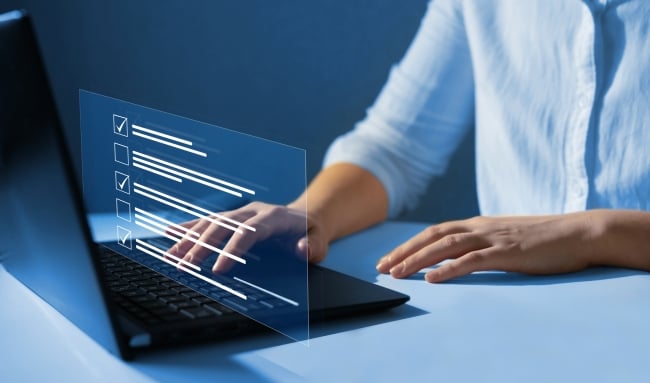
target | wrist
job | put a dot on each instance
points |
(618, 238)
(590, 229)
(315, 218)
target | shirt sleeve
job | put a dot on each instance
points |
(422, 113)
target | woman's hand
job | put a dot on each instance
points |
(533, 245)
(268, 221)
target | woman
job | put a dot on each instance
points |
(558, 93)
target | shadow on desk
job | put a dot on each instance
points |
(202, 360)
(501, 278)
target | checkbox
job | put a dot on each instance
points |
(123, 209)
(124, 237)
(121, 153)
(122, 182)
(120, 125)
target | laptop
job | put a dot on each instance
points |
(47, 244)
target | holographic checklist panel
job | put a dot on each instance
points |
(147, 172)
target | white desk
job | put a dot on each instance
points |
(591, 326)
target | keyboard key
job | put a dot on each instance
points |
(215, 308)
(172, 298)
(235, 305)
(165, 293)
(252, 306)
(152, 305)
(267, 304)
(162, 311)
(173, 317)
(182, 289)
(202, 299)
(160, 278)
(146, 283)
(140, 299)
(220, 307)
(191, 294)
(197, 312)
(183, 305)
(274, 302)
(133, 293)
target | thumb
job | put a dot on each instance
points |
(313, 247)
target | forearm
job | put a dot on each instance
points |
(620, 238)
(344, 198)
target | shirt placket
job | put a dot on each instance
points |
(585, 92)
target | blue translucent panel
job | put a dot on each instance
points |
(145, 172)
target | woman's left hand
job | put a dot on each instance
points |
(533, 245)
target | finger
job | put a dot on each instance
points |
(232, 254)
(239, 244)
(270, 220)
(210, 241)
(450, 246)
(429, 235)
(213, 230)
(312, 247)
(181, 247)
(190, 224)
(479, 260)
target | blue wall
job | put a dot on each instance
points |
(298, 72)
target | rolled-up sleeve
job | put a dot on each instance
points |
(421, 114)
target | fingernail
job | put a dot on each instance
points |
(302, 247)
(378, 267)
(397, 270)
(432, 276)
(219, 267)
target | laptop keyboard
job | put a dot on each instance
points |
(155, 298)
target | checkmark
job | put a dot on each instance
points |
(120, 125)
(124, 237)
(126, 179)
(119, 128)
(122, 182)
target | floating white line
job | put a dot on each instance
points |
(156, 231)
(173, 145)
(164, 232)
(168, 222)
(198, 208)
(199, 174)
(166, 254)
(192, 272)
(188, 211)
(267, 291)
(163, 135)
(189, 177)
(154, 171)
(160, 225)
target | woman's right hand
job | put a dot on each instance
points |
(292, 224)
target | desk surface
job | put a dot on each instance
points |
(589, 326)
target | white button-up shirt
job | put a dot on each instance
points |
(558, 91)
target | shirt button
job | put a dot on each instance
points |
(583, 102)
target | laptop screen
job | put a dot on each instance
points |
(45, 242)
